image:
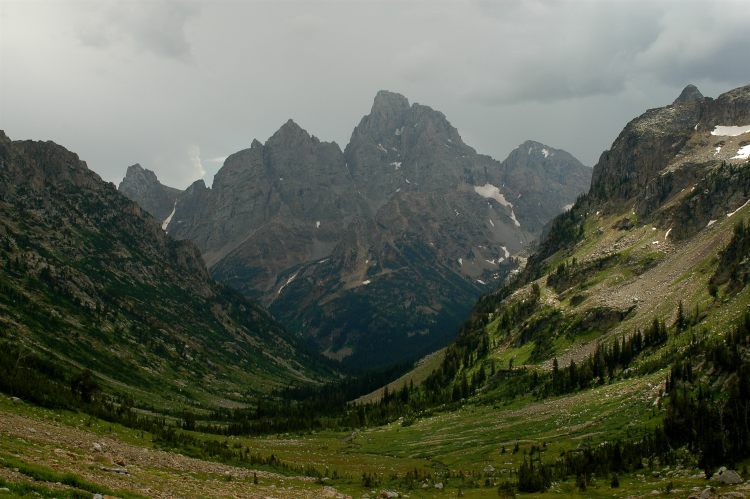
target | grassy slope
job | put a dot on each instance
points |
(423, 368)
(674, 273)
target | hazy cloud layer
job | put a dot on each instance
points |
(178, 86)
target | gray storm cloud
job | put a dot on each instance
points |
(149, 26)
(166, 83)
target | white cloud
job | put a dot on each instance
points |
(196, 165)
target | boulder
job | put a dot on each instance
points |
(727, 477)
(707, 493)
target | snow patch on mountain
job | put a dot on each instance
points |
(286, 283)
(490, 191)
(743, 152)
(167, 220)
(730, 131)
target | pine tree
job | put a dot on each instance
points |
(680, 322)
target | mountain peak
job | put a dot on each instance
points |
(142, 186)
(135, 168)
(389, 102)
(689, 94)
(532, 143)
(290, 129)
(137, 174)
(532, 147)
(198, 185)
(291, 124)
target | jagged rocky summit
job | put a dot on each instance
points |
(374, 253)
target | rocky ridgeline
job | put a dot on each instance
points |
(88, 274)
(689, 152)
(387, 243)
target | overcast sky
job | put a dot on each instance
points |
(177, 86)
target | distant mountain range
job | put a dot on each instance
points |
(375, 253)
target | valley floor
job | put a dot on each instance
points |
(457, 453)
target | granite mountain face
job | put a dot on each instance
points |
(377, 252)
(91, 280)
